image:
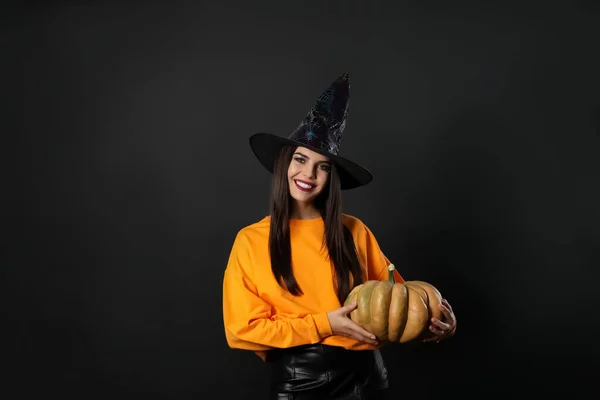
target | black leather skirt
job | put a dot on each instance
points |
(326, 372)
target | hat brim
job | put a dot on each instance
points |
(266, 146)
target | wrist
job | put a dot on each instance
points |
(323, 325)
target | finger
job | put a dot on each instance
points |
(362, 334)
(437, 331)
(366, 338)
(363, 339)
(440, 325)
(359, 337)
(349, 308)
(345, 310)
(447, 312)
(448, 306)
(435, 338)
(452, 330)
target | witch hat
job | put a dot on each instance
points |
(321, 131)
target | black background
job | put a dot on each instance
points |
(126, 133)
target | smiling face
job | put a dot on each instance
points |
(308, 173)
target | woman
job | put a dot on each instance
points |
(289, 274)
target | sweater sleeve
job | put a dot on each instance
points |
(249, 321)
(377, 262)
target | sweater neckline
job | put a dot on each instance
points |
(304, 222)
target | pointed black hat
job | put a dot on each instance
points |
(321, 131)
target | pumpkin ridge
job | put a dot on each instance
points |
(395, 312)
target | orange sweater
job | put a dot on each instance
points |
(260, 315)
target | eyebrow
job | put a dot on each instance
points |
(304, 155)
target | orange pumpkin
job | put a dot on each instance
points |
(395, 312)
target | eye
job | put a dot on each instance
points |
(325, 167)
(299, 159)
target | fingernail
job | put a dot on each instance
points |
(433, 319)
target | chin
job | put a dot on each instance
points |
(303, 197)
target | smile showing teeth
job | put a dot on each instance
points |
(303, 185)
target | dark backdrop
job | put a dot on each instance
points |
(480, 123)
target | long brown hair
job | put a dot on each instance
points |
(338, 238)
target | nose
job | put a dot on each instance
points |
(310, 171)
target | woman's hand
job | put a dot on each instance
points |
(443, 329)
(343, 326)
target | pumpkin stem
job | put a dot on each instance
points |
(391, 276)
